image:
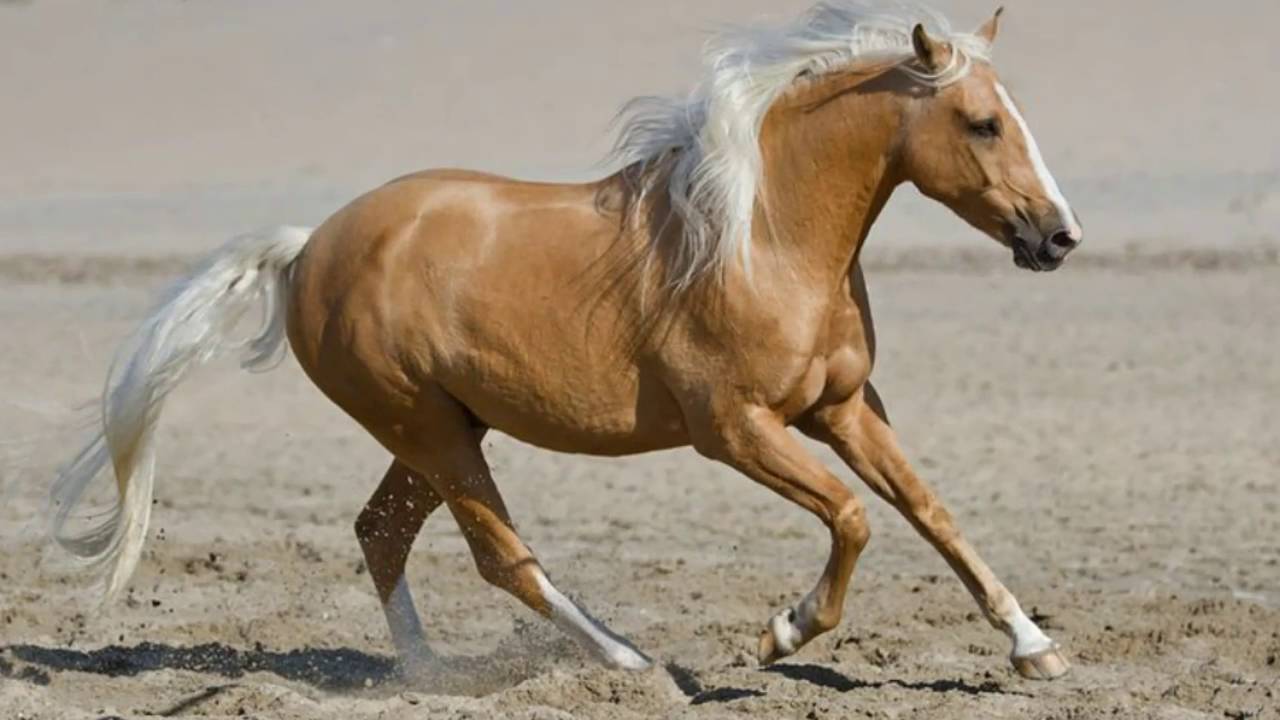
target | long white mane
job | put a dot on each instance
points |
(704, 149)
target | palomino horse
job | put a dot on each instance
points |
(708, 294)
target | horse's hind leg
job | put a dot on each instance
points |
(859, 432)
(386, 529)
(456, 469)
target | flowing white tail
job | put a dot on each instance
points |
(190, 326)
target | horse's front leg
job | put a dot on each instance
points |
(759, 445)
(859, 432)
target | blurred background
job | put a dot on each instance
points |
(156, 125)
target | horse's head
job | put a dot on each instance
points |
(968, 147)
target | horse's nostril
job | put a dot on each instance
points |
(1063, 241)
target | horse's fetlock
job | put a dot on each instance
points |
(825, 619)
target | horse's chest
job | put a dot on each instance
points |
(806, 391)
(794, 360)
(840, 366)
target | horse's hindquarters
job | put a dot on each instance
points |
(490, 292)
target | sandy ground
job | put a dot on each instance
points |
(1106, 438)
(1106, 435)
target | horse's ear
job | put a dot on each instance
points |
(991, 28)
(929, 50)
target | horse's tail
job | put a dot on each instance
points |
(188, 327)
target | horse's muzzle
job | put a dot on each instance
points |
(1059, 245)
(1048, 255)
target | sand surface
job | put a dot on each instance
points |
(1106, 436)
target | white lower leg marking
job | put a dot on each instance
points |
(402, 618)
(575, 621)
(791, 628)
(1042, 170)
(787, 637)
(1028, 639)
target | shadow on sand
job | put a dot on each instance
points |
(347, 670)
(832, 680)
(337, 669)
(698, 694)
(333, 670)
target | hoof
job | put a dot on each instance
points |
(1047, 664)
(767, 651)
(781, 638)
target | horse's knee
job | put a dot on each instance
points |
(850, 524)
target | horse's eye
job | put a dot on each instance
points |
(986, 129)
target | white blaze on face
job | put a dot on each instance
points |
(1051, 189)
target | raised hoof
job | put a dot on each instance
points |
(1047, 664)
(781, 638)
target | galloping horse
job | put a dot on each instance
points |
(707, 294)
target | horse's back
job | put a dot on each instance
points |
(426, 229)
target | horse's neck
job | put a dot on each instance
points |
(830, 157)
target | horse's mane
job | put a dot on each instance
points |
(703, 150)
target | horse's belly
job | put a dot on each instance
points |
(596, 414)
